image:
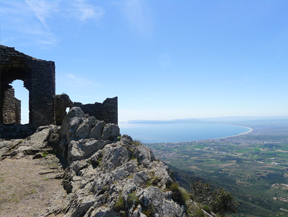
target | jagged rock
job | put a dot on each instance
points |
(140, 178)
(36, 142)
(103, 212)
(70, 123)
(77, 127)
(110, 132)
(84, 128)
(114, 156)
(78, 150)
(125, 170)
(155, 198)
(96, 131)
(144, 154)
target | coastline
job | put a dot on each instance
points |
(248, 130)
(240, 134)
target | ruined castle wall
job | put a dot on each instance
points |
(106, 111)
(38, 77)
(11, 107)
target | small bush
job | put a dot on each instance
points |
(149, 210)
(133, 199)
(136, 142)
(206, 208)
(119, 205)
(155, 180)
(199, 213)
(179, 195)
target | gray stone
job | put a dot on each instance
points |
(104, 212)
(114, 156)
(96, 131)
(110, 132)
(144, 154)
(84, 128)
(140, 178)
(83, 148)
(70, 123)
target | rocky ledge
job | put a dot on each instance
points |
(104, 174)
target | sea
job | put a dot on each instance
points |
(179, 132)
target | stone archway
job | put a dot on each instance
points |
(39, 79)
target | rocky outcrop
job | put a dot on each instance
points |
(110, 177)
(105, 175)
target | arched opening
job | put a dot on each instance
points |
(22, 94)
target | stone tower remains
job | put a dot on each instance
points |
(39, 79)
(45, 107)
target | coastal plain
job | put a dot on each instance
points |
(252, 166)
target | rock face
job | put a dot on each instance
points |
(105, 175)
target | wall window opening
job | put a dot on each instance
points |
(22, 94)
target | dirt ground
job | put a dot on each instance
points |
(31, 187)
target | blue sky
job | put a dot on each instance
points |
(163, 59)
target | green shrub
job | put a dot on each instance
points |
(199, 213)
(206, 208)
(179, 195)
(119, 205)
(220, 201)
(149, 210)
(224, 202)
(132, 199)
(136, 142)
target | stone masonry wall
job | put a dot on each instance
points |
(38, 77)
(106, 111)
(11, 107)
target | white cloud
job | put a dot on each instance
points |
(139, 16)
(76, 80)
(18, 22)
(31, 20)
(42, 10)
(84, 11)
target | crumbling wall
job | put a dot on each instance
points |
(11, 107)
(39, 79)
(106, 111)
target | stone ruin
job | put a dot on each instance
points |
(45, 107)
